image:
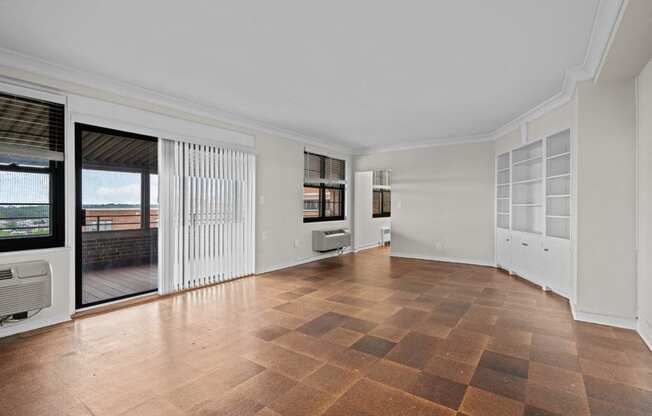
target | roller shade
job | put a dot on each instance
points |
(318, 169)
(32, 128)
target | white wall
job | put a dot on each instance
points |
(279, 209)
(367, 228)
(442, 201)
(644, 120)
(606, 232)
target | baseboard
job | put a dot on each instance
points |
(32, 324)
(444, 259)
(601, 319)
(644, 328)
(303, 261)
(366, 247)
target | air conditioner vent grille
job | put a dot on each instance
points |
(5, 274)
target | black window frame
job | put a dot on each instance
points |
(384, 213)
(57, 237)
(322, 193)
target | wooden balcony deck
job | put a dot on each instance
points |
(98, 285)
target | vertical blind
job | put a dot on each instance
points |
(30, 127)
(207, 214)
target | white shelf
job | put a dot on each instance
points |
(527, 205)
(502, 170)
(527, 181)
(557, 216)
(558, 196)
(524, 230)
(503, 198)
(558, 155)
(564, 175)
(532, 160)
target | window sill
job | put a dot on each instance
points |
(35, 251)
(320, 220)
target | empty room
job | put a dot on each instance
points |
(298, 208)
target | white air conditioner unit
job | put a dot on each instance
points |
(327, 240)
(25, 287)
(385, 235)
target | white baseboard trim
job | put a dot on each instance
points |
(598, 318)
(644, 328)
(444, 259)
(366, 247)
(302, 261)
(32, 324)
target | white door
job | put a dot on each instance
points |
(557, 256)
(504, 249)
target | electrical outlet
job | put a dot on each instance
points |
(261, 200)
(439, 245)
(297, 243)
(264, 235)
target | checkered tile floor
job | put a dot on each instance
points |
(355, 335)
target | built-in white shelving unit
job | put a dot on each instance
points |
(534, 211)
(558, 185)
(503, 191)
(527, 179)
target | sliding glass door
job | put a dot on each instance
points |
(117, 214)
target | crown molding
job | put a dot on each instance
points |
(606, 20)
(62, 79)
(476, 138)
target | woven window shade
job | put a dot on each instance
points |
(381, 179)
(32, 128)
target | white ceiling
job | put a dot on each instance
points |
(362, 74)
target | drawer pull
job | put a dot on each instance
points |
(524, 244)
(545, 249)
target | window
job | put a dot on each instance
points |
(323, 188)
(382, 194)
(31, 174)
(112, 200)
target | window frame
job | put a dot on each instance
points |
(57, 237)
(322, 193)
(383, 213)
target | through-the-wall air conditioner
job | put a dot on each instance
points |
(25, 287)
(328, 240)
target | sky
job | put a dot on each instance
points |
(98, 187)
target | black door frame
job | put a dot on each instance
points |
(79, 127)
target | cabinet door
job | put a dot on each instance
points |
(520, 255)
(504, 249)
(558, 265)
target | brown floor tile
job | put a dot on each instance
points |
(505, 364)
(390, 333)
(556, 401)
(331, 379)
(479, 402)
(602, 408)
(302, 400)
(414, 350)
(353, 360)
(376, 399)
(500, 383)
(452, 370)
(322, 324)
(271, 332)
(394, 375)
(406, 318)
(373, 346)
(265, 387)
(342, 336)
(535, 411)
(555, 358)
(619, 394)
(290, 363)
(556, 377)
(439, 390)
(351, 300)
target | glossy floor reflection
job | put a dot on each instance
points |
(356, 335)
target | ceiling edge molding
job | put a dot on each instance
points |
(476, 138)
(603, 57)
(606, 20)
(41, 73)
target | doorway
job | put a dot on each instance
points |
(116, 215)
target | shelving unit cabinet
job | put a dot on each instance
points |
(534, 216)
(503, 204)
